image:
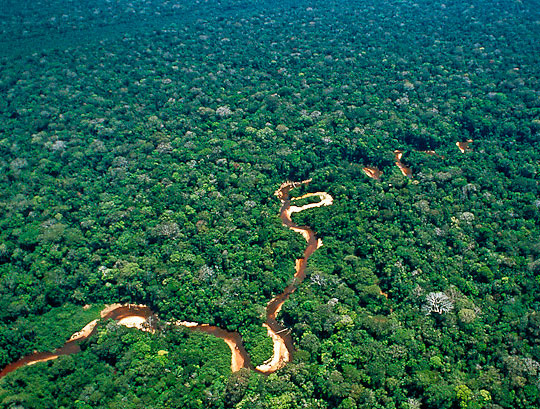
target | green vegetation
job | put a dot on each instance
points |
(138, 161)
(45, 332)
(126, 368)
(260, 345)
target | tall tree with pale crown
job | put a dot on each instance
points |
(438, 302)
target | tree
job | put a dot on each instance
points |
(437, 302)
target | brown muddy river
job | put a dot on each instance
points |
(464, 146)
(372, 172)
(143, 318)
(118, 313)
(406, 171)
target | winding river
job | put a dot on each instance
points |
(130, 315)
(143, 318)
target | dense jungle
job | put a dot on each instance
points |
(141, 146)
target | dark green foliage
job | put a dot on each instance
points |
(122, 367)
(45, 332)
(140, 147)
(258, 344)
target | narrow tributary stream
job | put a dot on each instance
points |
(142, 317)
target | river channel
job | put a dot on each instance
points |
(143, 318)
